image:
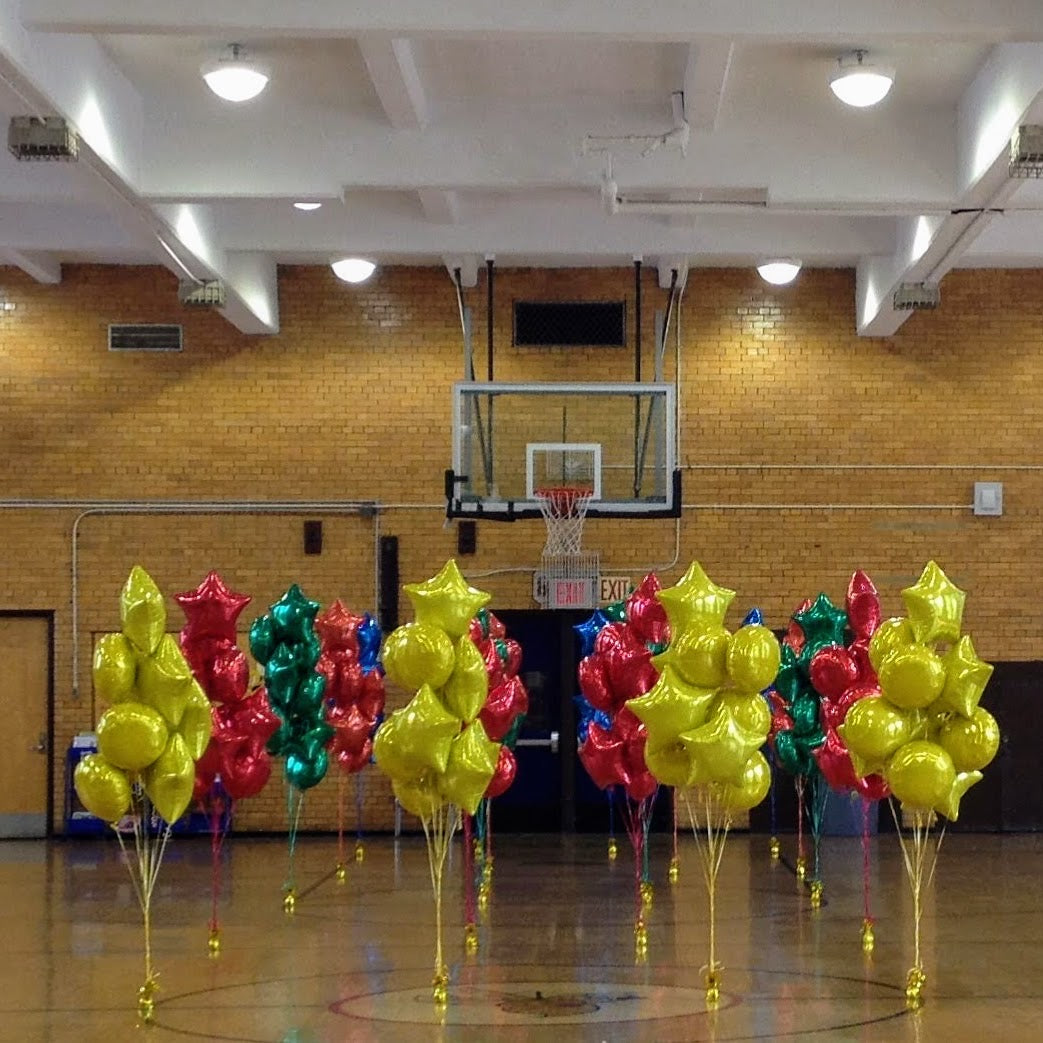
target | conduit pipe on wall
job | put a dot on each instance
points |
(362, 508)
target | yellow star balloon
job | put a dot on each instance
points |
(935, 605)
(446, 600)
(419, 795)
(695, 600)
(951, 806)
(468, 684)
(143, 611)
(671, 707)
(721, 747)
(416, 737)
(472, 762)
(965, 677)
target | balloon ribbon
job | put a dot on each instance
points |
(868, 923)
(219, 823)
(293, 810)
(439, 828)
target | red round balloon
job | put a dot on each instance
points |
(594, 684)
(503, 776)
(497, 713)
(832, 671)
(602, 756)
(244, 770)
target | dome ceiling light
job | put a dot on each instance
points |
(353, 269)
(860, 83)
(234, 77)
(779, 272)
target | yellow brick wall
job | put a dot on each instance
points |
(791, 435)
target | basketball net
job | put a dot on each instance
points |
(564, 509)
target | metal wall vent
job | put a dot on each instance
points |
(46, 138)
(144, 337)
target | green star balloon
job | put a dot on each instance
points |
(823, 624)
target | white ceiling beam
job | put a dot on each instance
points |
(466, 265)
(392, 69)
(810, 21)
(39, 266)
(441, 207)
(705, 79)
(1007, 91)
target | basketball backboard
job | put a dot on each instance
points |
(510, 440)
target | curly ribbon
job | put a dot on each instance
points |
(439, 828)
(637, 817)
(675, 859)
(470, 889)
(220, 817)
(818, 791)
(710, 838)
(868, 923)
(802, 863)
(289, 901)
(611, 823)
(774, 848)
(342, 870)
(360, 795)
(149, 849)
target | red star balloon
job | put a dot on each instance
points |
(211, 610)
(338, 627)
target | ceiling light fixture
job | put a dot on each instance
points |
(307, 206)
(234, 77)
(860, 83)
(353, 269)
(779, 272)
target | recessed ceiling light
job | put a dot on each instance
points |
(233, 77)
(353, 269)
(780, 272)
(860, 83)
(307, 206)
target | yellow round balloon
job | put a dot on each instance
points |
(671, 764)
(169, 781)
(756, 781)
(143, 611)
(114, 669)
(874, 729)
(913, 677)
(465, 691)
(417, 654)
(753, 658)
(472, 762)
(419, 796)
(750, 709)
(971, 742)
(103, 789)
(891, 636)
(131, 735)
(701, 656)
(921, 775)
(163, 680)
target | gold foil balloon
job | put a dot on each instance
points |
(950, 807)
(447, 601)
(131, 735)
(672, 764)
(756, 781)
(873, 730)
(143, 611)
(163, 680)
(921, 775)
(114, 669)
(935, 606)
(750, 709)
(965, 677)
(419, 796)
(753, 659)
(669, 707)
(196, 720)
(695, 600)
(472, 762)
(465, 691)
(913, 677)
(971, 742)
(417, 737)
(699, 656)
(169, 780)
(892, 635)
(721, 747)
(103, 789)
(418, 654)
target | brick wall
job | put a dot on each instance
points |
(804, 447)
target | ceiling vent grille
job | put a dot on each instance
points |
(916, 296)
(33, 138)
(202, 295)
(144, 337)
(1026, 152)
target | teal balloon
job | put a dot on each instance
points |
(303, 771)
(262, 639)
(616, 612)
(308, 698)
(804, 713)
(294, 615)
(280, 740)
(511, 738)
(790, 680)
(791, 755)
(823, 624)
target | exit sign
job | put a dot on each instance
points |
(614, 588)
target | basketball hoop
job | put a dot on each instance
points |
(564, 508)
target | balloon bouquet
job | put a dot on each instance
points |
(235, 764)
(435, 749)
(706, 721)
(354, 705)
(925, 734)
(284, 642)
(618, 669)
(156, 727)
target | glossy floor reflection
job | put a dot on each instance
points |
(556, 957)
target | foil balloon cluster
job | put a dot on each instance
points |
(157, 724)
(354, 692)
(843, 675)
(618, 668)
(925, 734)
(507, 701)
(284, 642)
(705, 716)
(242, 721)
(435, 749)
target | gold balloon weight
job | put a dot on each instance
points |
(147, 999)
(868, 936)
(213, 942)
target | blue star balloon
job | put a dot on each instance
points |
(589, 629)
(586, 715)
(369, 638)
(753, 617)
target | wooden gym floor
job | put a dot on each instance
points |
(556, 960)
